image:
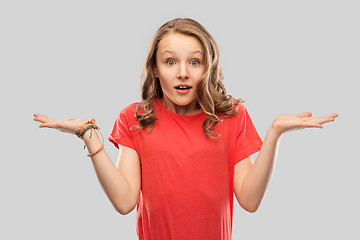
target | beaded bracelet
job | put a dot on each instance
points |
(85, 127)
(92, 154)
(80, 132)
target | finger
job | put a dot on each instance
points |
(48, 124)
(44, 125)
(45, 121)
(305, 114)
(39, 115)
(318, 122)
(334, 115)
(313, 124)
(36, 116)
(40, 118)
(329, 118)
(37, 119)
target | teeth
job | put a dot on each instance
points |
(182, 87)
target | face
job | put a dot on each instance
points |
(179, 67)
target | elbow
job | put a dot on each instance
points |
(124, 211)
(250, 207)
(124, 206)
(250, 203)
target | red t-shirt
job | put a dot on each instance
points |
(187, 177)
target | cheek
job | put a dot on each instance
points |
(165, 74)
(165, 83)
(198, 76)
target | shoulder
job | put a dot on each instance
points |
(239, 109)
(127, 114)
(230, 107)
(239, 117)
(130, 109)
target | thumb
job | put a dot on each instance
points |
(305, 114)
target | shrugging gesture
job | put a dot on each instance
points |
(288, 122)
(251, 179)
(120, 182)
(180, 161)
(70, 125)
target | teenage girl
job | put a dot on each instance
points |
(186, 147)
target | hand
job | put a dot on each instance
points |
(288, 122)
(69, 126)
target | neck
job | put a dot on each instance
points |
(189, 109)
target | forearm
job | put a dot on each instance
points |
(115, 185)
(256, 181)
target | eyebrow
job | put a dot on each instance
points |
(193, 52)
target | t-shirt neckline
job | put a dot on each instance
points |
(158, 102)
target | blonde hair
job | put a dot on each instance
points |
(211, 93)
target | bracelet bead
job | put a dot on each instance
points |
(85, 127)
(97, 151)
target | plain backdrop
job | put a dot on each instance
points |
(84, 59)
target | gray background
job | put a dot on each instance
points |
(83, 59)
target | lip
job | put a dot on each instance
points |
(183, 85)
(183, 91)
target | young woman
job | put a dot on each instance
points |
(186, 148)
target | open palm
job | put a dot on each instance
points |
(288, 122)
(69, 126)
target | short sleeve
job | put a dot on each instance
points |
(121, 133)
(248, 140)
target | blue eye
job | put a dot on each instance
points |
(170, 62)
(194, 62)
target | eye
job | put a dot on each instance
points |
(194, 62)
(170, 62)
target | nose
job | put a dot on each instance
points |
(183, 72)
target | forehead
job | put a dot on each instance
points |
(177, 42)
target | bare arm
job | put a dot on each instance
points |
(121, 183)
(251, 179)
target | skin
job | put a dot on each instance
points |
(122, 182)
(251, 179)
(179, 60)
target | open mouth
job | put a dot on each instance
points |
(184, 87)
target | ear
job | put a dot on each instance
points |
(156, 73)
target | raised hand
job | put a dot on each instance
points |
(288, 122)
(69, 126)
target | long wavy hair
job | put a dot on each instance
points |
(211, 93)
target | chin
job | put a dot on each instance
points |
(184, 102)
(180, 101)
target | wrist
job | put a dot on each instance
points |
(90, 136)
(88, 133)
(274, 132)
